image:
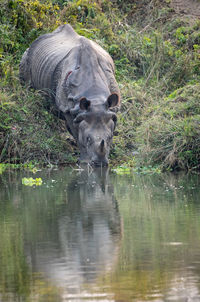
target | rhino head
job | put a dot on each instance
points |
(96, 124)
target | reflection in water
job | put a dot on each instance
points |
(161, 241)
(63, 241)
(86, 236)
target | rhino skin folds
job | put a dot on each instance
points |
(78, 75)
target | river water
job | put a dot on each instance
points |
(98, 236)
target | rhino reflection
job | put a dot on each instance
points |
(88, 233)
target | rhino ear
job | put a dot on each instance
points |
(112, 100)
(84, 104)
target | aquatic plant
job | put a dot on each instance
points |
(32, 181)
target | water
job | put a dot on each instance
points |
(98, 236)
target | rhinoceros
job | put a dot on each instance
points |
(78, 75)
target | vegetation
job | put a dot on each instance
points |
(32, 181)
(156, 53)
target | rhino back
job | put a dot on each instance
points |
(51, 58)
(47, 52)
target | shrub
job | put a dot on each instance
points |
(170, 133)
(28, 132)
(156, 53)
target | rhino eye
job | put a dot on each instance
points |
(89, 141)
(109, 138)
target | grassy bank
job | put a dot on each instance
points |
(156, 53)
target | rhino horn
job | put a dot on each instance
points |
(102, 146)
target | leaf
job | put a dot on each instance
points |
(31, 181)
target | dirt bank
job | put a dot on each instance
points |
(189, 7)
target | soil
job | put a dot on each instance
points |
(189, 7)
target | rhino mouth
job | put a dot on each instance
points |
(103, 163)
(95, 163)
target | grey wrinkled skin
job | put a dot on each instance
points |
(79, 76)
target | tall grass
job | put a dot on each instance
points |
(155, 51)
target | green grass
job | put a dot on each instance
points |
(157, 67)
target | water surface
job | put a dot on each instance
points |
(97, 236)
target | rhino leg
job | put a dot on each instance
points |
(69, 124)
(24, 69)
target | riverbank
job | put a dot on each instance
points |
(156, 49)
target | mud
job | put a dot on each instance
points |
(189, 7)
